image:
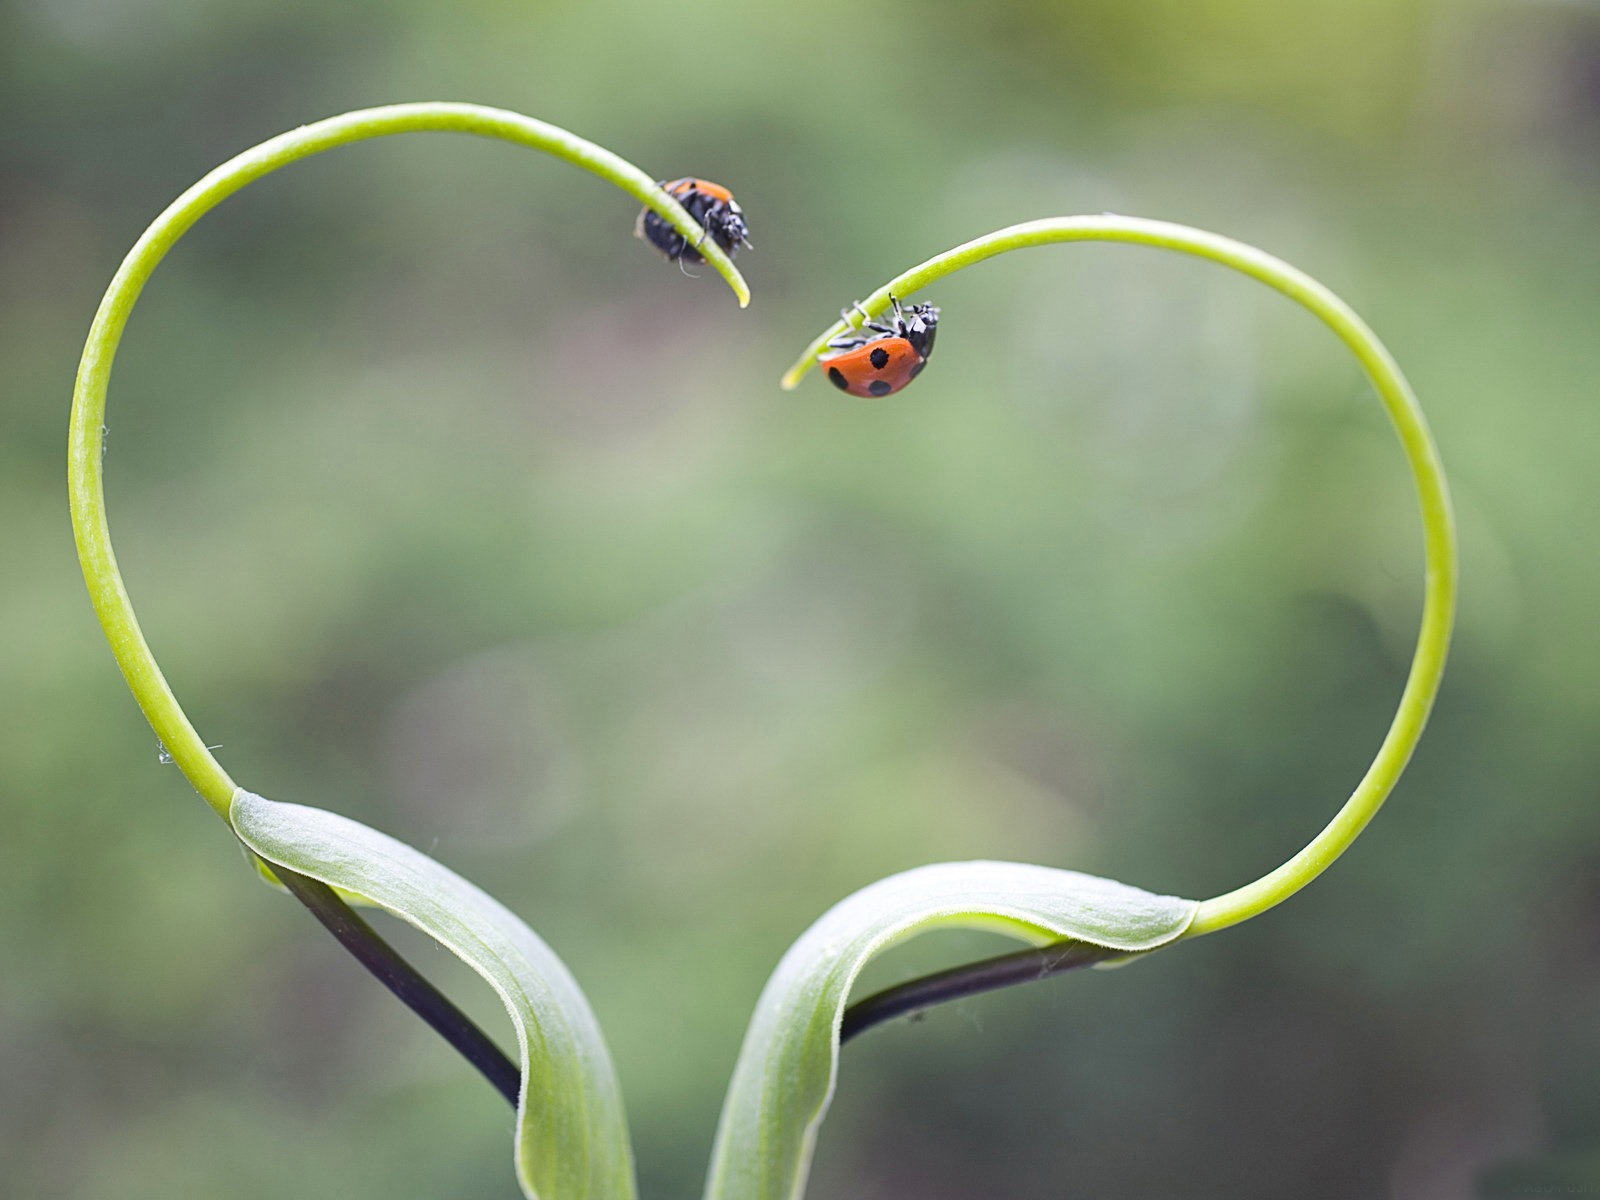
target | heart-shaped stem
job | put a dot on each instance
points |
(86, 449)
(86, 444)
(1438, 525)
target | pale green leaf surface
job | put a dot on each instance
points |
(788, 1067)
(571, 1136)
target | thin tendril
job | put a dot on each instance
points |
(1438, 526)
(87, 436)
(86, 446)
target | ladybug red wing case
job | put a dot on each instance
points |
(878, 368)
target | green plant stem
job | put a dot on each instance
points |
(86, 443)
(1438, 527)
(86, 448)
(405, 981)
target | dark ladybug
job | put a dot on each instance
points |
(884, 360)
(711, 205)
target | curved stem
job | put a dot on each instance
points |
(1438, 527)
(87, 438)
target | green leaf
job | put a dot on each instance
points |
(572, 1136)
(788, 1068)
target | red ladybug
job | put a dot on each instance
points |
(888, 358)
(710, 204)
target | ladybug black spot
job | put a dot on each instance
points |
(880, 358)
(836, 376)
(879, 387)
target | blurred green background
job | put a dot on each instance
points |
(448, 506)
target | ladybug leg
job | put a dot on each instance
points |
(900, 324)
(680, 247)
(850, 338)
(848, 318)
(684, 199)
(866, 321)
(694, 190)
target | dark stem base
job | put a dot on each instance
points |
(429, 1003)
(405, 981)
(971, 979)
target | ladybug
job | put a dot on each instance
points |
(710, 204)
(888, 358)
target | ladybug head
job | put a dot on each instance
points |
(917, 324)
(725, 223)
